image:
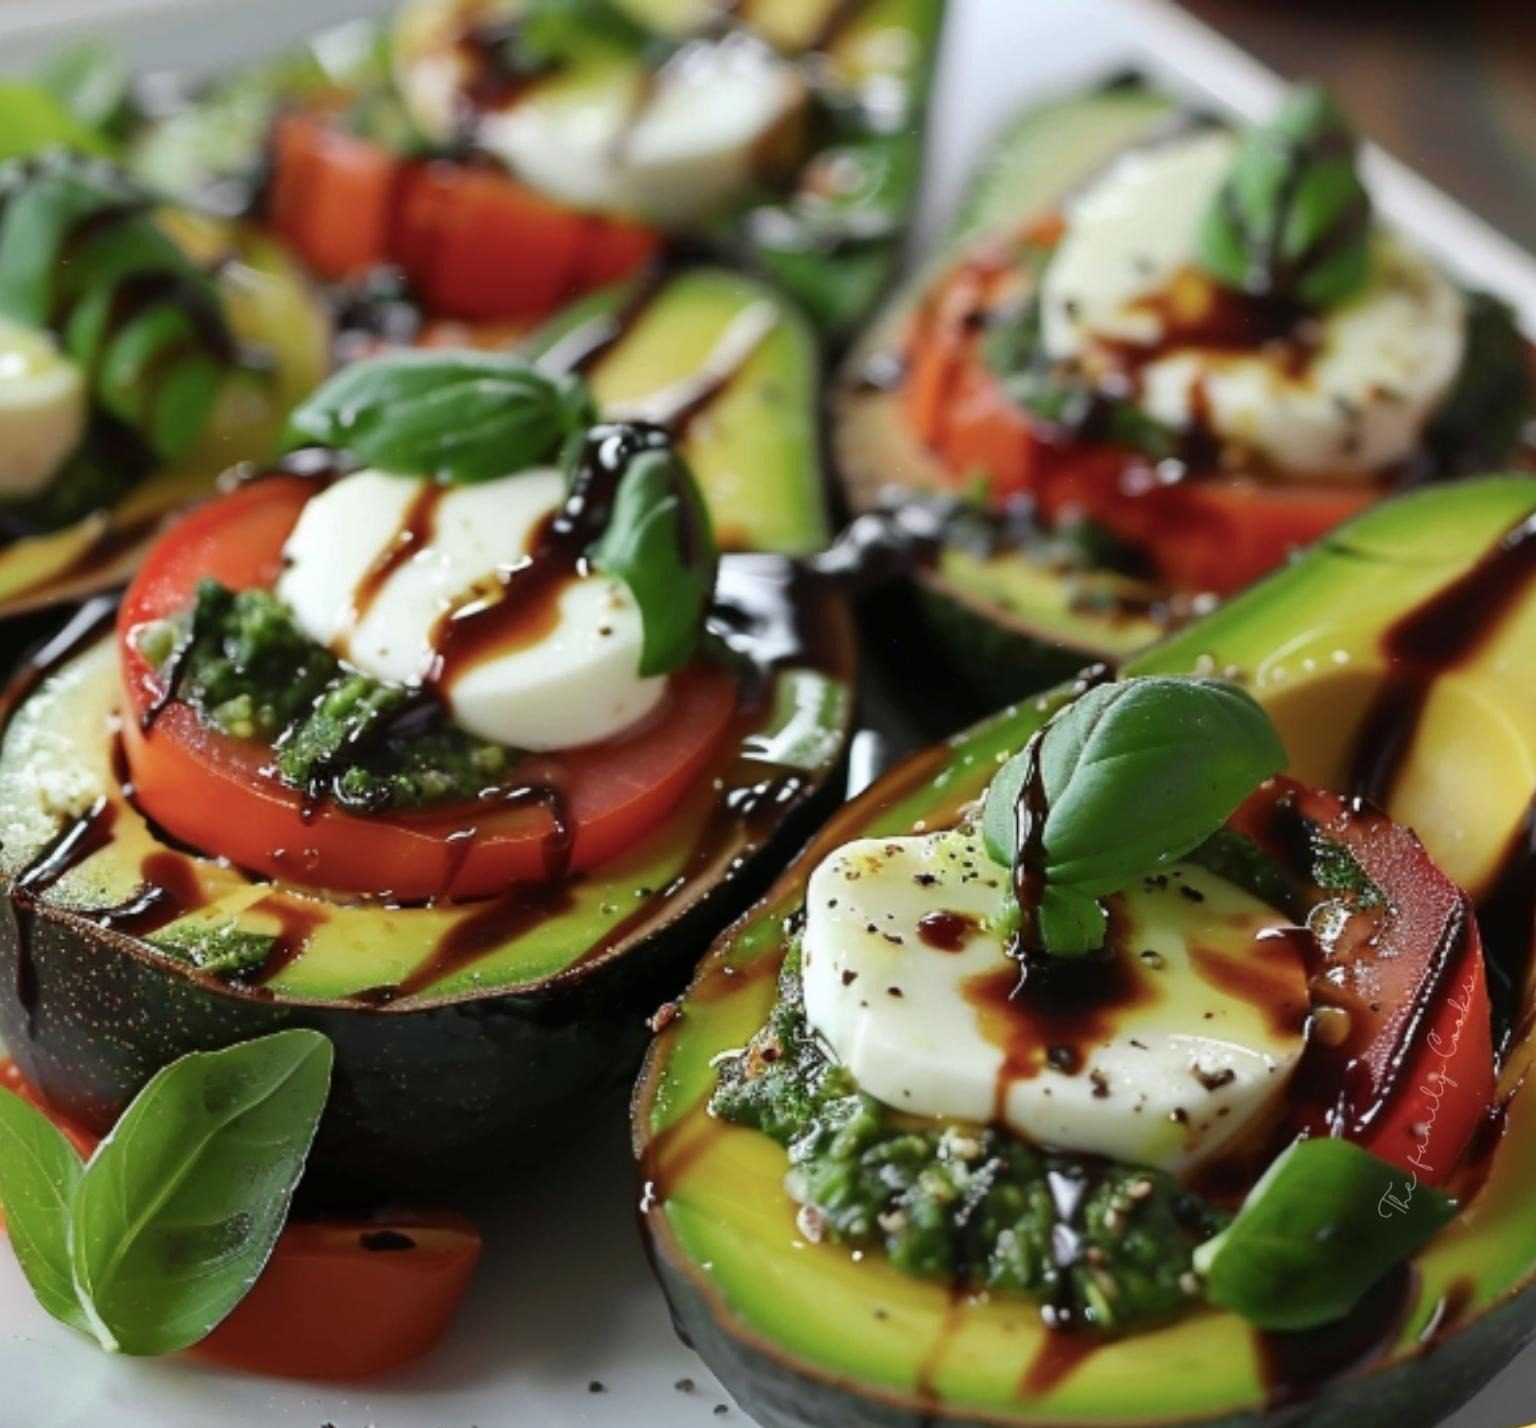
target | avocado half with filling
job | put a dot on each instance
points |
(587, 139)
(722, 360)
(291, 785)
(1392, 659)
(145, 350)
(1121, 433)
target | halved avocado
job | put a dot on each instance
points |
(270, 308)
(1010, 625)
(468, 1035)
(1419, 620)
(1013, 622)
(734, 369)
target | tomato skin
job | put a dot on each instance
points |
(210, 791)
(474, 243)
(1415, 1079)
(1204, 533)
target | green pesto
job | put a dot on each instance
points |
(249, 672)
(960, 1202)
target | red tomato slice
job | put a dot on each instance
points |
(349, 1299)
(209, 790)
(332, 195)
(474, 242)
(1205, 533)
(1404, 1063)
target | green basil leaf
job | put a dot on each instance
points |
(32, 120)
(80, 252)
(1135, 775)
(39, 1172)
(1325, 1223)
(92, 81)
(1293, 219)
(1072, 924)
(660, 542)
(40, 206)
(180, 1206)
(455, 416)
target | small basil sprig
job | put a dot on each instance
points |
(149, 1246)
(458, 417)
(1127, 778)
(1293, 219)
(1324, 1224)
(81, 254)
(658, 540)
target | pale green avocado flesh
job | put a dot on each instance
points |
(807, 1334)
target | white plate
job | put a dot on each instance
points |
(565, 1299)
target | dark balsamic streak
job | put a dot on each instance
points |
(417, 528)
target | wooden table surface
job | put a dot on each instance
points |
(1449, 86)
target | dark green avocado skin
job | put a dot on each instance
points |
(1420, 1393)
(424, 1101)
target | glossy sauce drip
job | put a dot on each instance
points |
(170, 889)
(1263, 979)
(1506, 917)
(491, 925)
(297, 925)
(1295, 1367)
(1448, 630)
(526, 600)
(1055, 1015)
(946, 931)
(1060, 1355)
(926, 1377)
(417, 527)
(1029, 833)
(497, 75)
(86, 835)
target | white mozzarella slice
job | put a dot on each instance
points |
(696, 143)
(1385, 360)
(577, 685)
(566, 138)
(43, 409)
(1378, 366)
(1194, 1050)
(1127, 236)
(671, 147)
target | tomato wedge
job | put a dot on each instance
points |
(473, 242)
(1203, 533)
(210, 791)
(338, 1299)
(349, 1299)
(1401, 1056)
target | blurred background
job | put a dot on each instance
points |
(1449, 88)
